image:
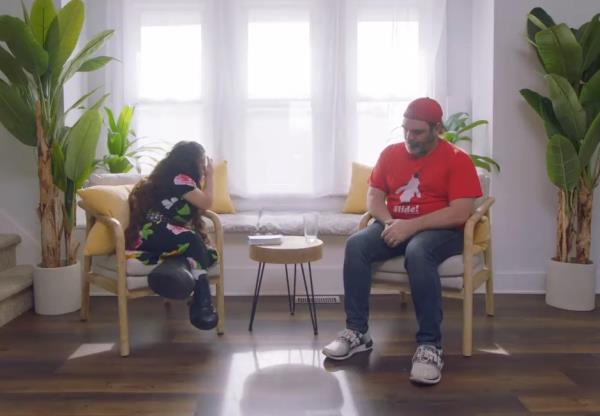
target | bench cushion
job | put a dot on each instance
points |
(136, 270)
(288, 223)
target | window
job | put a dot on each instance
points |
(279, 143)
(388, 78)
(288, 91)
(164, 74)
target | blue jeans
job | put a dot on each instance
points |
(423, 253)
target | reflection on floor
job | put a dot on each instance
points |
(291, 382)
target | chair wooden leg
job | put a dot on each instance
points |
(84, 313)
(123, 326)
(489, 296)
(467, 346)
(402, 298)
(220, 292)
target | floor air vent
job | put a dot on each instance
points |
(319, 299)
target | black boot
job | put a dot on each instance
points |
(202, 311)
(172, 278)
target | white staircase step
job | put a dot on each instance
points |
(8, 250)
(15, 280)
(9, 240)
(16, 292)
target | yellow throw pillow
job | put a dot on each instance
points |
(222, 203)
(106, 200)
(356, 200)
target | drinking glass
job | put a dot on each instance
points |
(311, 226)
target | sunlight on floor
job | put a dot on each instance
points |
(498, 350)
(89, 349)
(285, 382)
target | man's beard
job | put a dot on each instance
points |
(421, 148)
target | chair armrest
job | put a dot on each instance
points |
(218, 230)
(474, 219)
(364, 220)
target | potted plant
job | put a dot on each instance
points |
(455, 126)
(37, 60)
(124, 149)
(570, 60)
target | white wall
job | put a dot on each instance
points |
(459, 50)
(489, 61)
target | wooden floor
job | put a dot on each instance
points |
(529, 359)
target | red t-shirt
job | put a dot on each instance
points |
(417, 186)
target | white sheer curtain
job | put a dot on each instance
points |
(289, 92)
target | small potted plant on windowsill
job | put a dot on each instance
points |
(37, 59)
(456, 125)
(125, 151)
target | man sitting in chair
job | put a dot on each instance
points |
(421, 193)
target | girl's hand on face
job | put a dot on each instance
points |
(208, 170)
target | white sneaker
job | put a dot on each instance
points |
(348, 343)
(427, 365)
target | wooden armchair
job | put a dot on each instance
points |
(460, 275)
(111, 273)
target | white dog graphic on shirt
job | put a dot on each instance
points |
(410, 190)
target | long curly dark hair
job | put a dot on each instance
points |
(146, 195)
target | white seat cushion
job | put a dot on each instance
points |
(136, 271)
(451, 270)
(451, 267)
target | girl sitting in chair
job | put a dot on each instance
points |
(166, 221)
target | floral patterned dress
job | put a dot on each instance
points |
(169, 232)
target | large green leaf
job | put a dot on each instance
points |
(590, 142)
(22, 44)
(63, 35)
(567, 107)
(25, 13)
(81, 144)
(543, 107)
(590, 41)
(562, 163)
(537, 20)
(83, 55)
(560, 52)
(16, 116)
(590, 93)
(590, 97)
(95, 63)
(84, 176)
(81, 100)
(99, 102)
(42, 14)
(10, 67)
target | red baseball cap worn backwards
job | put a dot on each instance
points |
(424, 109)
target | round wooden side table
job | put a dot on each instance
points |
(292, 250)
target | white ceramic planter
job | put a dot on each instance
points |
(571, 286)
(57, 290)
